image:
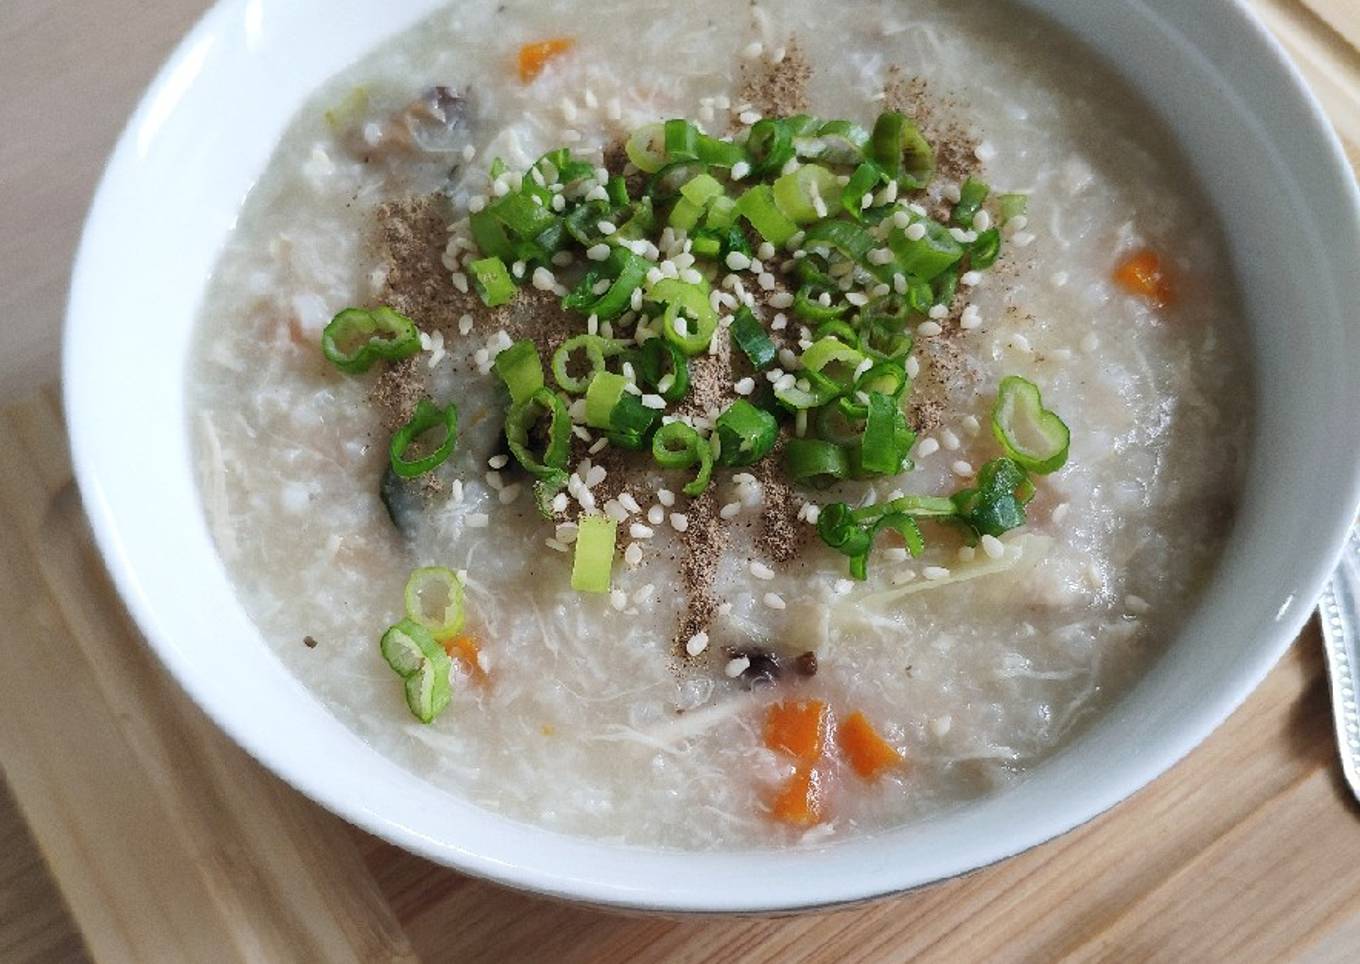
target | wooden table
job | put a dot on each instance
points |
(133, 830)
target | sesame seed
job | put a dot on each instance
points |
(934, 573)
(760, 570)
(595, 476)
(735, 667)
(697, 644)
(618, 599)
(737, 261)
(633, 555)
(895, 554)
(691, 277)
(730, 511)
(666, 497)
(628, 502)
(982, 220)
(913, 366)
(598, 446)
(654, 401)
(985, 151)
(774, 600)
(961, 469)
(971, 318)
(646, 592)
(566, 533)
(598, 252)
(916, 232)
(753, 50)
(927, 446)
(740, 170)
(949, 440)
(679, 521)
(970, 278)
(559, 502)
(498, 461)
(1022, 239)
(766, 281)
(554, 545)
(781, 299)
(544, 279)
(510, 493)
(745, 386)
(639, 531)
(843, 587)
(748, 117)
(928, 329)
(993, 547)
(814, 512)
(766, 251)
(656, 515)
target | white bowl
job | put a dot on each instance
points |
(170, 197)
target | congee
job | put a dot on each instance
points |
(717, 425)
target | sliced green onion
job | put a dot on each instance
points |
(840, 424)
(627, 271)
(646, 148)
(886, 377)
(836, 142)
(559, 167)
(1011, 206)
(660, 358)
(689, 302)
(641, 221)
(604, 392)
(592, 565)
(666, 183)
(866, 178)
(677, 446)
(746, 434)
(1032, 435)
(493, 282)
(983, 252)
(521, 369)
(838, 529)
(815, 462)
(880, 453)
(996, 504)
(769, 146)
(356, 338)
(809, 308)
(905, 526)
(428, 417)
(693, 201)
(414, 655)
(945, 286)
(972, 193)
(811, 390)
(596, 348)
(913, 505)
(630, 422)
(757, 206)
(898, 147)
(434, 598)
(928, 256)
(852, 241)
(750, 336)
(831, 351)
(722, 213)
(490, 235)
(549, 465)
(796, 194)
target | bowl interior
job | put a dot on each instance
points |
(170, 197)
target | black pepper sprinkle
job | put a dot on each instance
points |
(309, 642)
(806, 664)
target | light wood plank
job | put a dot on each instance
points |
(34, 922)
(1342, 16)
(170, 842)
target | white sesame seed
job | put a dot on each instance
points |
(476, 203)
(900, 283)
(913, 366)
(843, 587)
(498, 461)
(935, 572)
(656, 515)
(753, 50)
(760, 570)
(916, 232)
(961, 469)
(633, 556)
(781, 299)
(814, 512)
(740, 170)
(748, 117)
(554, 545)
(559, 502)
(1022, 239)
(628, 502)
(587, 499)
(993, 547)
(618, 599)
(928, 329)
(666, 497)
(857, 298)
(639, 531)
(985, 151)
(595, 476)
(598, 446)
(679, 521)
(744, 386)
(970, 318)
(543, 279)
(895, 554)
(766, 281)
(949, 440)
(477, 520)
(653, 401)
(737, 261)
(615, 511)
(730, 511)
(697, 644)
(982, 221)
(691, 277)
(970, 278)
(566, 533)
(735, 667)
(598, 252)
(774, 600)
(1019, 342)
(927, 446)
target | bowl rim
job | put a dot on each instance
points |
(106, 526)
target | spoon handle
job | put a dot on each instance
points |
(1340, 611)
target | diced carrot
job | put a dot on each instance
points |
(868, 753)
(534, 57)
(1141, 274)
(465, 648)
(801, 800)
(798, 728)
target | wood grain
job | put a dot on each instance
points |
(168, 843)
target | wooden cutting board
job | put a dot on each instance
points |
(167, 842)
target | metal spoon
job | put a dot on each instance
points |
(1340, 611)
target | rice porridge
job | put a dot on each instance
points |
(886, 450)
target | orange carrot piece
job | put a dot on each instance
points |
(534, 57)
(801, 801)
(868, 753)
(798, 728)
(1141, 274)
(466, 649)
